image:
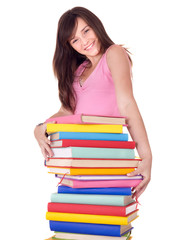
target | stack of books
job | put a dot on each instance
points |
(91, 158)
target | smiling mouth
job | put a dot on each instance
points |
(89, 47)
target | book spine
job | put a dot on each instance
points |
(97, 143)
(86, 228)
(86, 218)
(110, 153)
(107, 191)
(98, 128)
(103, 184)
(91, 136)
(109, 200)
(87, 209)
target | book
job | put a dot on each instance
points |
(93, 237)
(92, 162)
(83, 152)
(100, 183)
(99, 177)
(88, 228)
(95, 199)
(90, 171)
(89, 136)
(89, 218)
(92, 209)
(107, 191)
(92, 143)
(88, 119)
(61, 235)
(98, 128)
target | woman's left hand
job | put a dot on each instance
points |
(143, 169)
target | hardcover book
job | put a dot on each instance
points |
(88, 119)
(83, 152)
(100, 183)
(90, 171)
(88, 218)
(61, 235)
(98, 128)
(92, 163)
(93, 143)
(88, 228)
(104, 191)
(89, 136)
(92, 209)
(95, 199)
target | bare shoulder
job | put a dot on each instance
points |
(116, 55)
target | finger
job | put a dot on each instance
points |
(137, 194)
(134, 173)
(44, 153)
(48, 149)
(47, 140)
(140, 188)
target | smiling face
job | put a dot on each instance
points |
(84, 40)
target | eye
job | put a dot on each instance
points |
(86, 30)
(74, 41)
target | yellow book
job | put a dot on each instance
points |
(89, 218)
(90, 171)
(96, 128)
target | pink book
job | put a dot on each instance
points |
(87, 119)
(99, 184)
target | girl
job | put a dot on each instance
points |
(94, 77)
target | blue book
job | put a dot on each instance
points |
(105, 191)
(89, 136)
(90, 228)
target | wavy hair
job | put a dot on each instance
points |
(66, 59)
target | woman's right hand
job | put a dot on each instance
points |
(43, 141)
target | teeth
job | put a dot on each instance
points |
(89, 47)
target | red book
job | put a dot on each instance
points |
(92, 209)
(93, 143)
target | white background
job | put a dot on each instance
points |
(29, 95)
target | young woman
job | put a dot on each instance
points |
(94, 77)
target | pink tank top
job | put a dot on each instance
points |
(97, 95)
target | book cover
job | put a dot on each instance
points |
(89, 136)
(88, 228)
(95, 199)
(61, 235)
(104, 191)
(99, 177)
(92, 209)
(87, 218)
(90, 171)
(83, 152)
(98, 128)
(93, 143)
(100, 184)
(92, 163)
(88, 119)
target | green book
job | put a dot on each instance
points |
(76, 236)
(88, 152)
(95, 199)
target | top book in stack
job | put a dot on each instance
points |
(88, 119)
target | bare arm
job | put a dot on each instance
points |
(120, 69)
(39, 133)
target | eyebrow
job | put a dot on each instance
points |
(81, 31)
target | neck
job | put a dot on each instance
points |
(94, 60)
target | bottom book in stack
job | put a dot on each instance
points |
(92, 213)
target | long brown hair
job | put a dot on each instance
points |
(66, 59)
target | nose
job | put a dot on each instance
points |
(84, 41)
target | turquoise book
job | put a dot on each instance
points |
(89, 136)
(109, 200)
(88, 152)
